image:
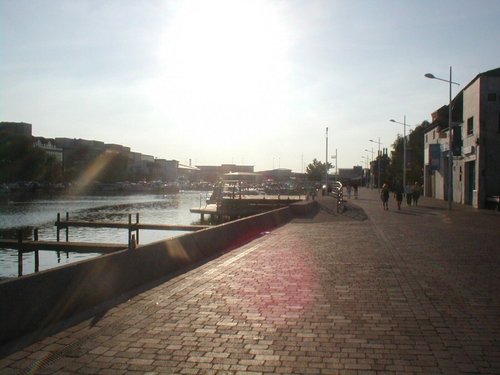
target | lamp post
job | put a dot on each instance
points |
(326, 163)
(370, 151)
(365, 160)
(371, 180)
(404, 147)
(379, 143)
(450, 155)
(336, 170)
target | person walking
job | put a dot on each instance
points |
(384, 196)
(398, 193)
(408, 193)
(416, 193)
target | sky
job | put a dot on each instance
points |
(254, 82)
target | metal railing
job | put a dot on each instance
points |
(338, 194)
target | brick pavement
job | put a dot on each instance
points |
(369, 291)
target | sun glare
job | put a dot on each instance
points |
(224, 66)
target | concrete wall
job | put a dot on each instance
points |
(36, 301)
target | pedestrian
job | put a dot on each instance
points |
(355, 191)
(416, 193)
(398, 193)
(408, 192)
(384, 196)
(349, 189)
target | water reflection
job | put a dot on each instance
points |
(42, 213)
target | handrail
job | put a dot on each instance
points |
(338, 194)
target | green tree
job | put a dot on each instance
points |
(20, 160)
(415, 147)
(114, 169)
(414, 156)
(316, 170)
(385, 173)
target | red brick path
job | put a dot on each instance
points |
(369, 291)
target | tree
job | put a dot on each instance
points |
(114, 167)
(414, 156)
(20, 160)
(316, 170)
(385, 174)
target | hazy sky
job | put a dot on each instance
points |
(252, 82)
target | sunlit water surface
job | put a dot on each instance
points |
(42, 214)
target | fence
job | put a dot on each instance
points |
(338, 194)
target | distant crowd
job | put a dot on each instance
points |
(412, 193)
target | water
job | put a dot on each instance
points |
(42, 214)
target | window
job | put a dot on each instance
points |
(470, 125)
(492, 97)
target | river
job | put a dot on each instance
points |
(42, 213)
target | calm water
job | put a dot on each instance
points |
(42, 213)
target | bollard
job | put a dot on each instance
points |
(137, 227)
(67, 227)
(37, 255)
(57, 225)
(19, 253)
(129, 230)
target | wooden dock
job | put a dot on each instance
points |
(245, 206)
(35, 246)
(130, 226)
(74, 247)
(27, 246)
(106, 224)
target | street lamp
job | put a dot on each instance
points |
(379, 143)
(336, 169)
(450, 156)
(370, 151)
(365, 160)
(404, 147)
(326, 163)
(371, 180)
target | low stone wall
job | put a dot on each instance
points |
(36, 301)
(304, 208)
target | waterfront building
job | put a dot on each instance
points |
(19, 128)
(214, 173)
(351, 176)
(277, 175)
(49, 147)
(187, 175)
(475, 144)
(165, 170)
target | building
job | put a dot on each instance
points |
(352, 176)
(50, 148)
(165, 170)
(475, 144)
(19, 128)
(214, 173)
(277, 175)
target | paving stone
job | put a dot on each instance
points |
(411, 291)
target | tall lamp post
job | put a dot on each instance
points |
(379, 143)
(371, 180)
(370, 151)
(336, 169)
(450, 154)
(365, 160)
(404, 147)
(326, 164)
